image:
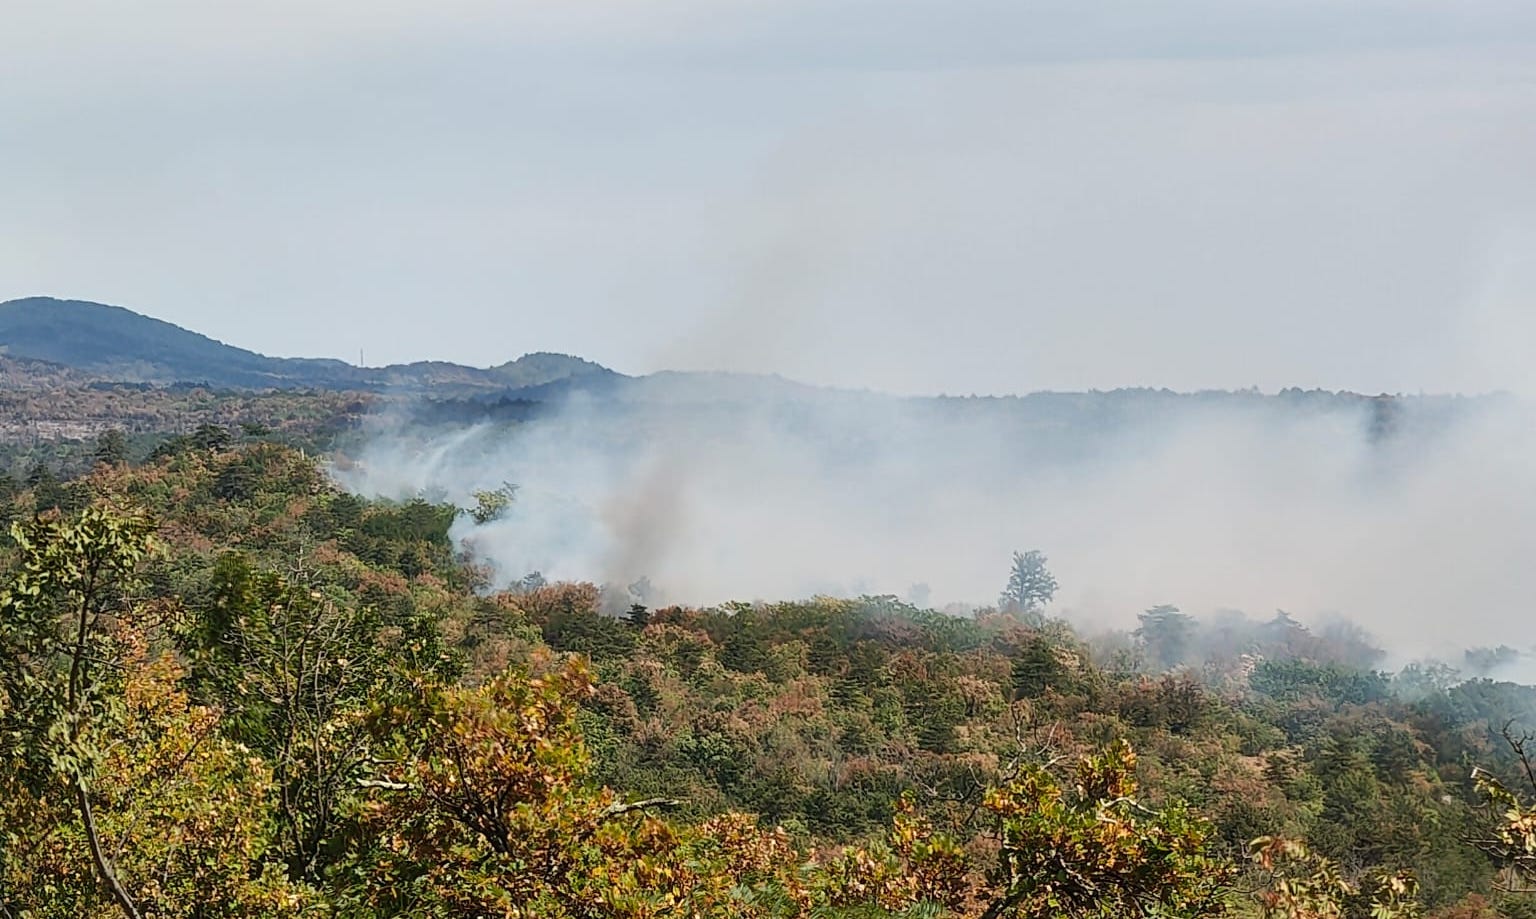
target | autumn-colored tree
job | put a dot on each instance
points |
(1300, 884)
(849, 757)
(182, 811)
(914, 866)
(485, 808)
(1507, 835)
(1093, 849)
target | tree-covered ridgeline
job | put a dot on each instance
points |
(228, 688)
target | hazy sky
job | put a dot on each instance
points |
(952, 195)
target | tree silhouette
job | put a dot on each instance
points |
(1030, 584)
(1166, 635)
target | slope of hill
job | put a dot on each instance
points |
(113, 343)
(19, 374)
(542, 367)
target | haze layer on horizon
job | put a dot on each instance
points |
(974, 196)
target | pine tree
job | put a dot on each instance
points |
(1030, 584)
(112, 448)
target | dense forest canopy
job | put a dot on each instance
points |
(228, 687)
(282, 651)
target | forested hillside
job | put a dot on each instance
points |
(228, 688)
(116, 344)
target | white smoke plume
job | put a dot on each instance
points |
(1414, 518)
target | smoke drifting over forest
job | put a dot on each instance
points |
(1415, 518)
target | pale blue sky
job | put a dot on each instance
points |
(959, 196)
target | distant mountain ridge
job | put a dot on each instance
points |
(47, 342)
(114, 343)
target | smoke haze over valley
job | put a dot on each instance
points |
(1411, 517)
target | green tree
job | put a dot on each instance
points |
(237, 481)
(112, 448)
(492, 504)
(212, 437)
(47, 491)
(1036, 669)
(59, 635)
(296, 665)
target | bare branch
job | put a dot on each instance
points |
(618, 808)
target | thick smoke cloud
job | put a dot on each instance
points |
(1415, 518)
